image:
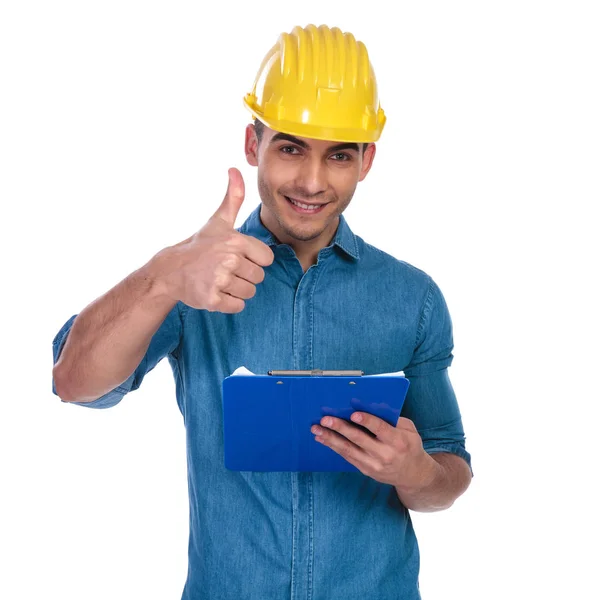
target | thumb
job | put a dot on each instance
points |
(234, 198)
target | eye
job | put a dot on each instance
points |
(285, 149)
(343, 156)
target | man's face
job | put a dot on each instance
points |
(308, 171)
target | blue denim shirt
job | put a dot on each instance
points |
(305, 535)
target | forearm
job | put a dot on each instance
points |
(445, 477)
(110, 336)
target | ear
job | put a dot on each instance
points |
(367, 161)
(251, 145)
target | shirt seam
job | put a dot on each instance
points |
(423, 312)
(182, 317)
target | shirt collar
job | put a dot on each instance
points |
(344, 238)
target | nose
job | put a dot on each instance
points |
(311, 179)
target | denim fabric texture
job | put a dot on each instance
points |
(304, 535)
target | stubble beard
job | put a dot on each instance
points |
(298, 233)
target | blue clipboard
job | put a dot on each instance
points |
(267, 418)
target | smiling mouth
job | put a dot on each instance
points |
(305, 207)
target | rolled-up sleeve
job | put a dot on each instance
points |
(164, 341)
(430, 400)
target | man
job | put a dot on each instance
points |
(292, 288)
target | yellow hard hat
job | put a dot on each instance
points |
(318, 82)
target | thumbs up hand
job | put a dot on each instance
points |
(217, 268)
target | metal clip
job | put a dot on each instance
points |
(318, 373)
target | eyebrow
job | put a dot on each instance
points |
(290, 138)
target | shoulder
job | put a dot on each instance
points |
(374, 257)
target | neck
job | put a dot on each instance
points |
(307, 251)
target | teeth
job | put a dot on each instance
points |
(306, 206)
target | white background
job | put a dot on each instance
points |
(118, 122)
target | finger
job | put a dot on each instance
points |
(404, 423)
(228, 304)
(383, 430)
(348, 450)
(256, 251)
(239, 288)
(234, 198)
(354, 434)
(249, 271)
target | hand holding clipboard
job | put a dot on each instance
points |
(267, 419)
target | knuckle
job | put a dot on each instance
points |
(387, 459)
(233, 238)
(346, 448)
(231, 261)
(401, 445)
(222, 279)
(212, 302)
(379, 468)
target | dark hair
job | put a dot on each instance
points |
(259, 128)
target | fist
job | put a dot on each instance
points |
(217, 268)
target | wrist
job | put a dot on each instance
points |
(155, 275)
(428, 473)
